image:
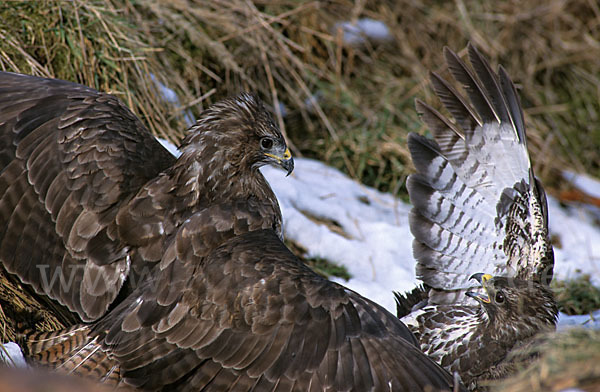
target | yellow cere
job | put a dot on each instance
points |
(486, 277)
(287, 154)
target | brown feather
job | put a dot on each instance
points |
(477, 208)
(221, 303)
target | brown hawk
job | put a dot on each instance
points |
(250, 316)
(89, 198)
(177, 266)
(477, 207)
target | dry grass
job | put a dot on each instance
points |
(349, 106)
(567, 360)
(21, 312)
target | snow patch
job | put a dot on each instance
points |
(577, 250)
(364, 29)
(377, 245)
(583, 182)
(580, 321)
(170, 147)
(11, 355)
(169, 95)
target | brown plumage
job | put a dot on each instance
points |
(89, 196)
(178, 265)
(475, 340)
(477, 207)
(249, 316)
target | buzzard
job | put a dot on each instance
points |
(176, 267)
(89, 199)
(477, 207)
(250, 316)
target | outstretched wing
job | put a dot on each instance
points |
(250, 316)
(477, 204)
(70, 156)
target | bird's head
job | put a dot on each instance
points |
(514, 306)
(242, 131)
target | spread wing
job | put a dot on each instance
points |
(70, 156)
(250, 316)
(477, 204)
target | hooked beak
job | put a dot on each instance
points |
(285, 160)
(481, 279)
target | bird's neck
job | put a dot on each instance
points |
(483, 318)
(483, 352)
(198, 181)
(491, 330)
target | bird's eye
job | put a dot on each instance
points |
(266, 143)
(499, 297)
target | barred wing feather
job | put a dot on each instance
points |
(477, 204)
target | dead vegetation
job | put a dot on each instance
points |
(349, 105)
(567, 360)
(22, 312)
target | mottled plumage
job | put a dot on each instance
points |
(178, 265)
(249, 316)
(89, 196)
(477, 207)
(475, 340)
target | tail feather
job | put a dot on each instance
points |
(42, 346)
(75, 350)
(411, 300)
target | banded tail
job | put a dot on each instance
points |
(75, 350)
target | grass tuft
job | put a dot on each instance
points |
(577, 296)
(328, 269)
(321, 266)
(566, 360)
